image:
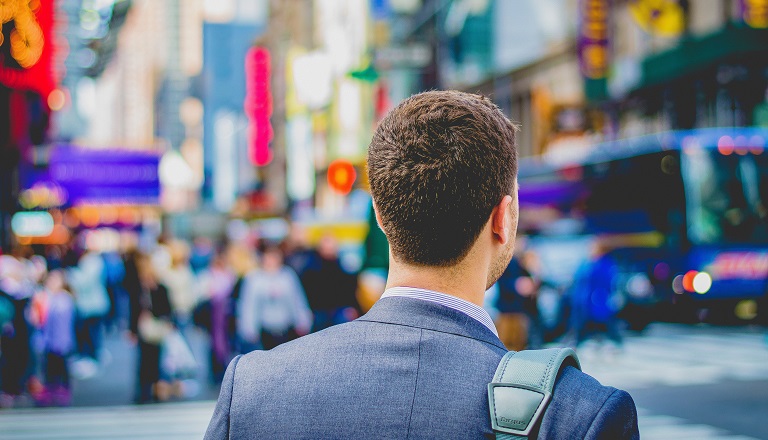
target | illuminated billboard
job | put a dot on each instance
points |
(103, 176)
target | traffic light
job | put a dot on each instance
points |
(341, 175)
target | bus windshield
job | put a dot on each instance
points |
(635, 195)
(726, 197)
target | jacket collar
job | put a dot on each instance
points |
(429, 316)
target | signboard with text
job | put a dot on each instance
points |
(593, 42)
(99, 176)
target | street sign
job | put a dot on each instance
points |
(414, 55)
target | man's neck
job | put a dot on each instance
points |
(459, 280)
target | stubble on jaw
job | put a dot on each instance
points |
(500, 264)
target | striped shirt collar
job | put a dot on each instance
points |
(472, 310)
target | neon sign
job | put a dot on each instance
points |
(593, 38)
(258, 105)
(741, 265)
(26, 45)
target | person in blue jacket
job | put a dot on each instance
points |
(594, 297)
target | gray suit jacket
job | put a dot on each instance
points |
(406, 369)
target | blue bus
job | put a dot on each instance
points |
(685, 213)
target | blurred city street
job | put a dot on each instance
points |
(689, 382)
(172, 421)
(183, 181)
(113, 384)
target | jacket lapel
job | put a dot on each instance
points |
(429, 316)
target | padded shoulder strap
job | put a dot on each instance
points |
(522, 387)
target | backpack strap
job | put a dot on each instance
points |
(522, 387)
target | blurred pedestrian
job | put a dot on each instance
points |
(114, 269)
(71, 253)
(298, 254)
(272, 308)
(150, 324)
(516, 303)
(593, 295)
(218, 282)
(203, 252)
(241, 260)
(54, 255)
(58, 326)
(161, 255)
(88, 282)
(531, 291)
(330, 289)
(183, 289)
(132, 285)
(36, 271)
(15, 333)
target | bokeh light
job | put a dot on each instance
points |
(702, 282)
(56, 100)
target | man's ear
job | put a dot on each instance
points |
(378, 218)
(501, 220)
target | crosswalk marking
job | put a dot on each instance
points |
(189, 420)
(163, 421)
(661, 427)
(663, 357)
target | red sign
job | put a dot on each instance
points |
(26, 46)
(341, 175)
(258, 105)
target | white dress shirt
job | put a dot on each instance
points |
(472, 310)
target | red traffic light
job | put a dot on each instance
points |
(341, 175)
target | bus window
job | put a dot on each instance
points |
(727, 196)
(640, 194)
(635, 195)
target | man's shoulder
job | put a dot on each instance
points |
(307, 349)
(588, 408)
(578, 384)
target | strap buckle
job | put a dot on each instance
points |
(522, 407)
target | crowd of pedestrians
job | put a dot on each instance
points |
(51, 315)
(57, 304)
(529, 310)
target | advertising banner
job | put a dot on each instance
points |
(103, 176)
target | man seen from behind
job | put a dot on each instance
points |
(443, 176)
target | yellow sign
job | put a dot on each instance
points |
(659, 17)
(593, 44)
(26, 38)
(755, 13)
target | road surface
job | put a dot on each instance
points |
(689, 382)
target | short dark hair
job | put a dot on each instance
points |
(438, 164)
